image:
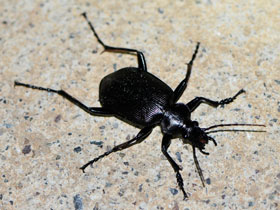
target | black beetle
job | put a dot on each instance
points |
(139, 98)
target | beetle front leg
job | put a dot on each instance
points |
(140, 56)
(143, 133)
(193, 104)
(164, 146)
(183, 84)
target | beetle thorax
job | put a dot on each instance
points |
(175, 120)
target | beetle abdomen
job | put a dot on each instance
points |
(135, 96)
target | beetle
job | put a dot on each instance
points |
(139, 98)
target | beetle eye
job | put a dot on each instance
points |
(195, 123)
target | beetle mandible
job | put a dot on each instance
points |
(137, 97)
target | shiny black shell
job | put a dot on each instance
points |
(134, 96)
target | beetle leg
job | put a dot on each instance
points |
(193, 104)
(164, 146)
(182, 86)
(140, 56)
(99, 111)
(198, 167)
(143, 133)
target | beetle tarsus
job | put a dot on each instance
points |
(231, 99)
(194, 54)
(181, 184)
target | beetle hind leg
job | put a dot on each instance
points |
(96, 111)
(143, 133)
(140, 56)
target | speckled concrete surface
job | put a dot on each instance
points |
(45, 139)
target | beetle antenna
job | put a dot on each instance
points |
(232, 124)
(233, 130)
(236, 130)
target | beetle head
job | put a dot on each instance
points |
(177, 124)
(196, 136)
